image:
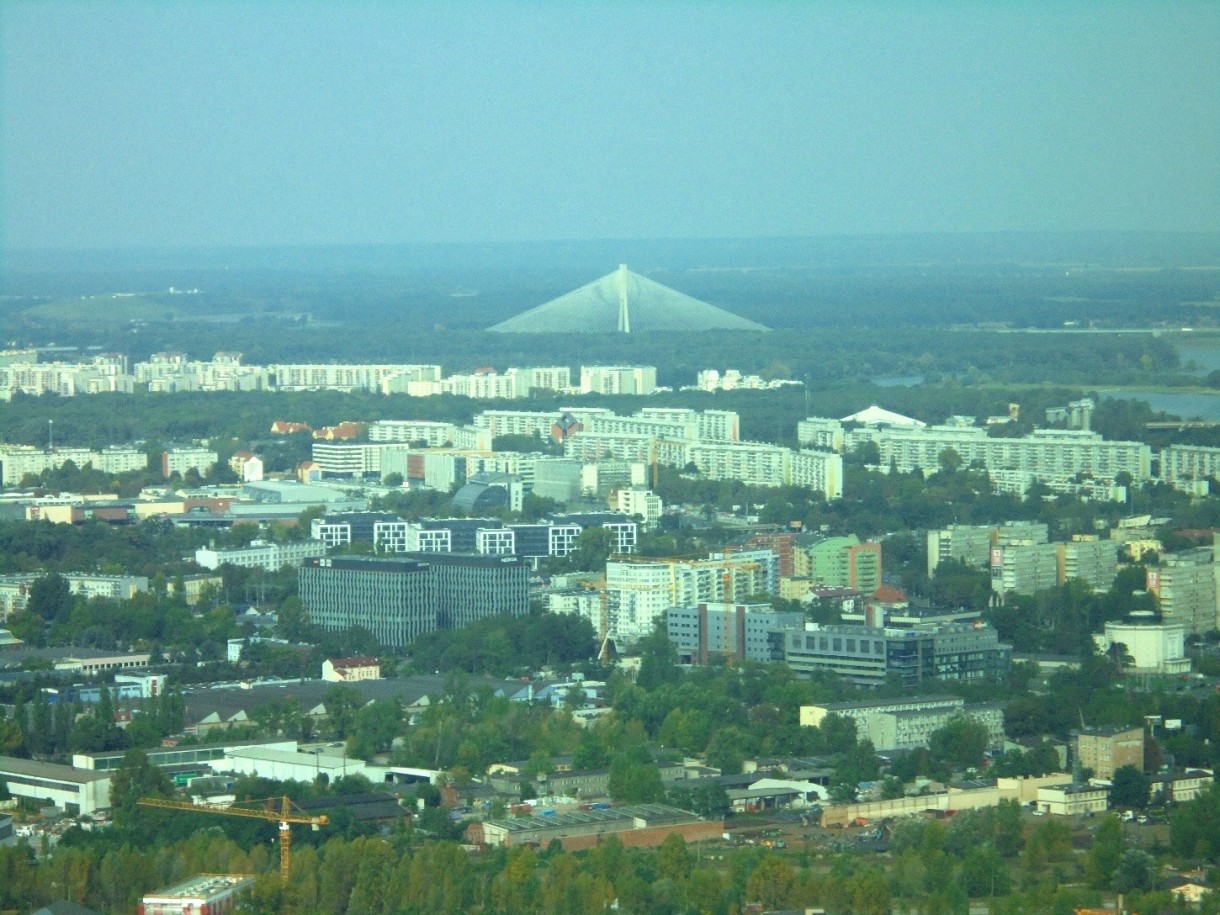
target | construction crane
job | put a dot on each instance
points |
(286, 814)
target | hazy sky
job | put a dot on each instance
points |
(243, 123)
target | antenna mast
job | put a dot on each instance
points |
(624, 316)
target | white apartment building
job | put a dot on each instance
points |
(1025, 566)
(642, 502)
(18, 460)
(548, 378)
(709, 425)
(431, 433)
(180, 460)
(1045, 453)
(102, 374)
(674, 438)
(618, 379)
(487, 385)
(817, 432)
(639, 592)
(760, 464)
(907, 724)
(357, 459)
(15, 589)
(1189, 462)
(517, 422)
(586, 602)
(1091, 559)
(349, 377)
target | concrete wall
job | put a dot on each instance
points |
(1022, 790)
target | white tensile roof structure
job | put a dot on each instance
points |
(623, 302)
(876, 416)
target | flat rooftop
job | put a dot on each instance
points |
(10, 765)
(202, 886)
(652, 814)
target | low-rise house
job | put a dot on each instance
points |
(350, 670)
(1073, 800)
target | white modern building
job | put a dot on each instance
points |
(1155, 647)
(261, 554)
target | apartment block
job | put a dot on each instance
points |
(618, 379)
(1185, 585)
(180, 460)
(907, 724)
(840, 562)
(412, 431)
(639, 592)
(18, 460)
(1105, 750)
(972, 544)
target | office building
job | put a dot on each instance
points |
(742, 632)
(869, 656)
(385, 530)
(489, 491)
(391, 598)
(402, 598)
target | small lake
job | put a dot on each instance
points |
(1187, 406)
(1206, 357)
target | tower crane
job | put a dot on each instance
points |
(275, 809)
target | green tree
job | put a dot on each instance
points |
(1129, 788)
(135, 778)
(772, 883)
(673, 859)
(960, 744)
(1105, 854)
(635, 779)
(50, 597)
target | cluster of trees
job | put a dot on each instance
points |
(43, 728)
(147, 548)
(507, 646)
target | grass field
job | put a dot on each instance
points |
(110, 308)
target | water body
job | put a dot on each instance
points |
(899, 381)
(1207, 358)
(1187, 406)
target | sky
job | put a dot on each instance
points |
(187, 124)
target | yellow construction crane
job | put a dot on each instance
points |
(286, 814)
